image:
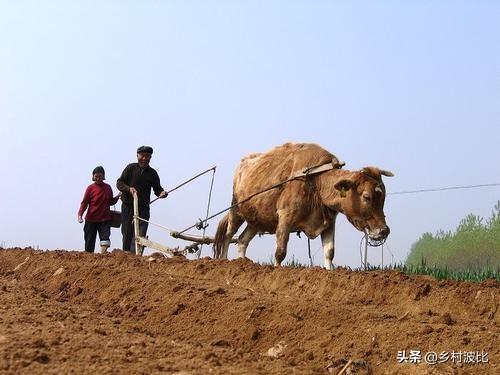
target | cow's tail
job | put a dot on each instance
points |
(220, 237)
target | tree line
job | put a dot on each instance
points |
(474, 245)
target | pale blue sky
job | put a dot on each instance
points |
(412, 87)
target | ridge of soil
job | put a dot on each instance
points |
(73, 312)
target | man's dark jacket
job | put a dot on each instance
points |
(142, 179)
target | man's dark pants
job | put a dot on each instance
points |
(128, 226)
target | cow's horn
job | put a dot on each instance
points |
(386, 173)
(338, 164)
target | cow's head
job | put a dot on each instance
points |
(363, 197)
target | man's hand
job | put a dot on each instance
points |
(80, 219)
(163, 194)
(132, 190)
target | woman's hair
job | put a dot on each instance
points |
(98, 169)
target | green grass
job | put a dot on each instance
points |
(444, 273)
(294, 263)
(440, 273)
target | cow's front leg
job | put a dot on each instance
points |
(328, 242)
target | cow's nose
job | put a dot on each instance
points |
(385, 231)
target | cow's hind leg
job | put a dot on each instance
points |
(234, 224)
(244, 239)
(328, 242)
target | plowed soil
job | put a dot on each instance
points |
(67, 312)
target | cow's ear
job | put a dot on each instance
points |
(343, 186)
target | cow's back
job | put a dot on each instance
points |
(257, 172)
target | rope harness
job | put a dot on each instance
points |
(203, 224)
(196, 248)
(333, 164)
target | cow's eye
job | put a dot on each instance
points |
(367, 198)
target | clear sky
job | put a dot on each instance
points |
(412, 87)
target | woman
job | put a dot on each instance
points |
(97, 198)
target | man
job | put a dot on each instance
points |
(97, 198)
(138, 178)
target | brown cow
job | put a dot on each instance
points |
(309, 203)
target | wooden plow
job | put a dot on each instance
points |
(142, 242)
